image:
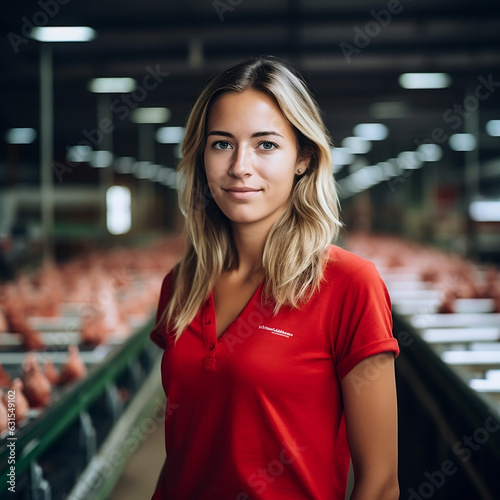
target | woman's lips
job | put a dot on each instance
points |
(241, 193)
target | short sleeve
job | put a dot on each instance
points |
(158, 333)
(365, 326)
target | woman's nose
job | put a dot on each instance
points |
(241, 164)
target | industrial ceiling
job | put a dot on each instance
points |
(351, 52)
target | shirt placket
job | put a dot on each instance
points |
(209, 334)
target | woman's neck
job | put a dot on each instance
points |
(249, 242)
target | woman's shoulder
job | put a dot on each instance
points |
(343, 263)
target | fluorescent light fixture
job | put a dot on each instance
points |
(492, 374)
(118, 210)
(101, 159)
(424, 80)
(493, 128)
(112, 85)
(357, 145)
(150, 115)
(471, 357)
(124, 164)
(63, 34)
(151, 171)
(140, 169)
(163, 174)
(368, 176)
(167, 176)
(171, 180)
(485, 210)
(362, 179)
(409, 160)
(484, 385)
(20, 135)
(371, 131)
(170, 135)
(79, 154)
(429, 152)
(341, 157)
(462, 142)
(389, 169)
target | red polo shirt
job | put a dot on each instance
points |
(257, 414)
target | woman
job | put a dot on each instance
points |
(279, 357)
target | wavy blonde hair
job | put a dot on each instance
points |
(295, 250)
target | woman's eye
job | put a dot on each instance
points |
(221, 145)
(268, 145)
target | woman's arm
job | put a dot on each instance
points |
(369, 393)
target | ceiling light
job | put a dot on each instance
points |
(357, 145)
(124, 164)
(172, 180)
(429, 152)
(341, 157)
(388, 169)
(63, 34)
(101, 159)
(20, 135)
(424, 80)
(493, 128)
(150, 115)
(170, 135)
(462, 142)
(409, 160)
(485, 211)
(151, 171)
(140, 169)
(371, 131)
(79, 154)
(112, 85)
(163, 174)
(118, 210)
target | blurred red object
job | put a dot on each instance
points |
(22, 405)
(74, 368)
(51, 372)
(37, 387)
(4, 378)
(3, 413)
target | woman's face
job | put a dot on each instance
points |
(251, 157)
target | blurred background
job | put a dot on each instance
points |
(95, 96)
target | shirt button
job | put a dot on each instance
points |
(211, 347)
(207, 322)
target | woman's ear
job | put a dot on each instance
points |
(304, 160)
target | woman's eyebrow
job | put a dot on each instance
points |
(255, 134)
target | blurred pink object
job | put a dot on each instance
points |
(37, 387)
(74, 368)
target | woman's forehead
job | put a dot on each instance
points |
(250, 111)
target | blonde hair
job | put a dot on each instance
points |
(295, 249)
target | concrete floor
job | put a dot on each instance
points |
(141, 472)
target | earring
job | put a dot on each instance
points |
(299, 170)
